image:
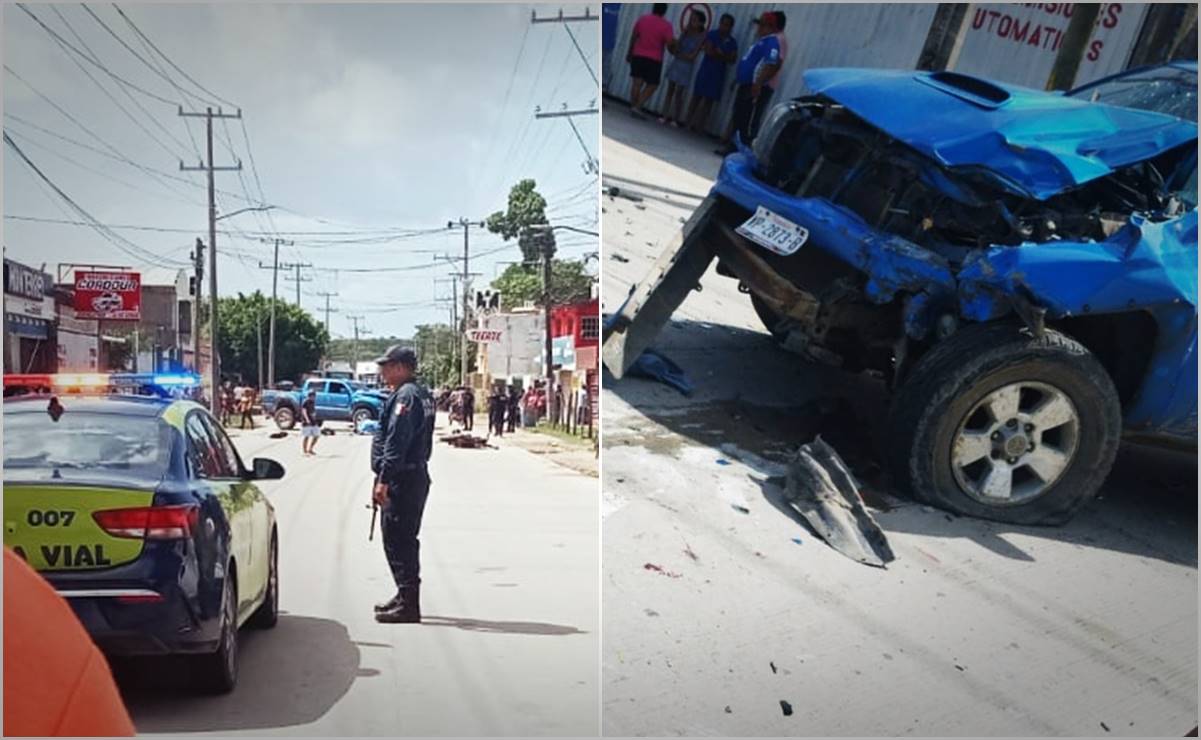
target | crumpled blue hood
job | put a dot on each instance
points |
(1040, 143)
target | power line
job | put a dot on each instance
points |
(167, 59)
(116, 239)
(94, 63)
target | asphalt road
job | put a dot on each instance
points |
(713, 618)
(510, 642)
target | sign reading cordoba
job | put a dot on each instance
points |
(484, 335)
(108, 295)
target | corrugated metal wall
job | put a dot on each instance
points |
(819, 35)
(998, 41)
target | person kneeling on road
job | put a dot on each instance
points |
(400, 453)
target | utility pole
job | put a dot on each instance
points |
(328, 310)
(274, 268)
(1075, 43)
(354, 352)
(298, 279)
(258, 325)
(591, 166)
(198, 268)
(214, 361)
(466, 283)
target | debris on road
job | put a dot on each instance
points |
(822, 489)
(660, 570)
(796, 540)
(617, 192)
(277, 435)
(728, 710)
(772, 663)
(618, 257)
(786, 708)
(657, 366)
(740, 509)
(722, 461)
(688, 551)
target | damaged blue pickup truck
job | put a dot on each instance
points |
(1020, 266)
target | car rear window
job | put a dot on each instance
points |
(87, 441)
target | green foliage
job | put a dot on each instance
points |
(520, 284)
(438, 351)
(342, 350)
(526, 208)
(300, 339)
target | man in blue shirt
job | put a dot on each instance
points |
(756, 75)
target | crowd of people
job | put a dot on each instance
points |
(509, 407)
(699, 64)
(238, 402)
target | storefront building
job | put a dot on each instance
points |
(30, 342)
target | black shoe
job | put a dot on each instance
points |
(406, 611)
(388, 605)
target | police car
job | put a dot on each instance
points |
(135, 505)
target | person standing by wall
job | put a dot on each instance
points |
(719, 51)
(468, 409)
(652, 35)
(679, 72)
(756, 75)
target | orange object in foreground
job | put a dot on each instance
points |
(56, 681)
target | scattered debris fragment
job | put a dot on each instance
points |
(1105, 727)
(640, 206)
(277, 435)
(722, 461)
(688, 551)
(728, 710)
(786, 708)
(650, 612)
(796, 540)
(618, 257)
(772, 663)
(822, 489)
(327, 432)
(660, 570)
(740, 509)
(959, 668)
(617, 192)
(656, 366)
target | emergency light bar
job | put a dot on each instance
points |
(101, 380)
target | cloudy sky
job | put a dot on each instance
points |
(369, 127)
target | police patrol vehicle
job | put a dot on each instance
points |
(134, 504)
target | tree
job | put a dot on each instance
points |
(520, 284)
(526, 209)
(437, 347)
(342, 350)
(300, 340)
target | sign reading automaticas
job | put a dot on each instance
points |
(484, 335)
(108, 295)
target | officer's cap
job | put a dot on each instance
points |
(398, 353)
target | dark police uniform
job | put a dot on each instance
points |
(400, 452)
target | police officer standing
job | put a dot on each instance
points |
(400, 454)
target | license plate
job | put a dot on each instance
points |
(773, 232)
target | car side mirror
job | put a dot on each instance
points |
(267, 469)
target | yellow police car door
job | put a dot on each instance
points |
(210, 464)
(254, 510)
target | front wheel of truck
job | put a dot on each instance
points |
(996, 423)
(285, 418)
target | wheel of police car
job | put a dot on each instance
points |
(285, 418)
(994, 422)
(217, 672)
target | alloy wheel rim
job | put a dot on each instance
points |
(1015, 443)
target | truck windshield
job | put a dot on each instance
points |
(1168, 90)
(87, 441)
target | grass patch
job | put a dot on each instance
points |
(562, 434)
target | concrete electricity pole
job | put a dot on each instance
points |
(274, 268)
(328, 310)
(197, 288)
(297, 279)
(466, 278)
(214, 361)
(354, 352)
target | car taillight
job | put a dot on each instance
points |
(149, 522)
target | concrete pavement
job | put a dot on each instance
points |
(714, 617)
(510, 643)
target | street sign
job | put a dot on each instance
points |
(484, 335)
(108, 295)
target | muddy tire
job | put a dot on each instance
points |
(217, 672)
(285, 418)
(997, 424)
(362, 414)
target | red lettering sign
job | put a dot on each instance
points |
(108, 295)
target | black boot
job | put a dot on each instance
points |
(407, 611)
(388, 605)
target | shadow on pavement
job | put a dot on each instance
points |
(508, 628)
(290, 675)
(1147, 507)
(689, 151)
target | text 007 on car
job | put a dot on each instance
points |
(139, 511)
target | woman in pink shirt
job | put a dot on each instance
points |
(652, 35)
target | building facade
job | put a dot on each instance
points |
(30, 337)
